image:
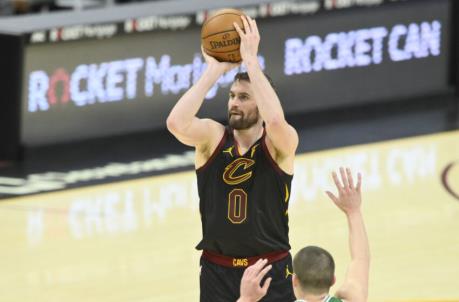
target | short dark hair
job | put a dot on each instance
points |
(315, 269)
(244, 76)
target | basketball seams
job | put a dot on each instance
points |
(221, 32)
(208, 20)
(221, 51)
(226, 51)
(221, 54)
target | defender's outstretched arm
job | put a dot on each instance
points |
(355, 286)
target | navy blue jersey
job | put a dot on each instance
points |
(243, 200)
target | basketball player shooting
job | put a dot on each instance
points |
(244, 173)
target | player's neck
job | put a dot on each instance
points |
(312, 298)
(245, 138)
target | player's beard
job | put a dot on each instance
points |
(242, 121)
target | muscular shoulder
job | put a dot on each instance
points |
(285, 161)
(204, 151)
(199, 133)
(214, 131)
(283, 137)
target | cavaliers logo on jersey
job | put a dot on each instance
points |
(238, 171)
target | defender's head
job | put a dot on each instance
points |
(314, 271)
(242, 107)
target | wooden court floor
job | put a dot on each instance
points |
(134, 240)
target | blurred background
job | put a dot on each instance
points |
(98, 202)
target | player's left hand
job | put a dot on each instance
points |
(349, 196)
(250, 38)
(251, 290)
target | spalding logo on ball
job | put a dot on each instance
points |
(219, 37)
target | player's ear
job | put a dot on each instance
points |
(295, 280)
(334, 280)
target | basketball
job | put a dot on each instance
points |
(219, 37)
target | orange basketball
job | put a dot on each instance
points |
(219, 37)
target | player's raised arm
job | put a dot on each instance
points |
(182, 121)
(283, 136)
(355, 286)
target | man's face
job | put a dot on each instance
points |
(242, 108)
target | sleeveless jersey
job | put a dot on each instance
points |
(243, 200)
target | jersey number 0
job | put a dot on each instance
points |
(237, 206)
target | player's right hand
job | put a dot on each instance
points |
(251, 290)
(349, 196)
(222, 67)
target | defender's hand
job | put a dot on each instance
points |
(251, 290)
(349, 196)
(250, 39)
